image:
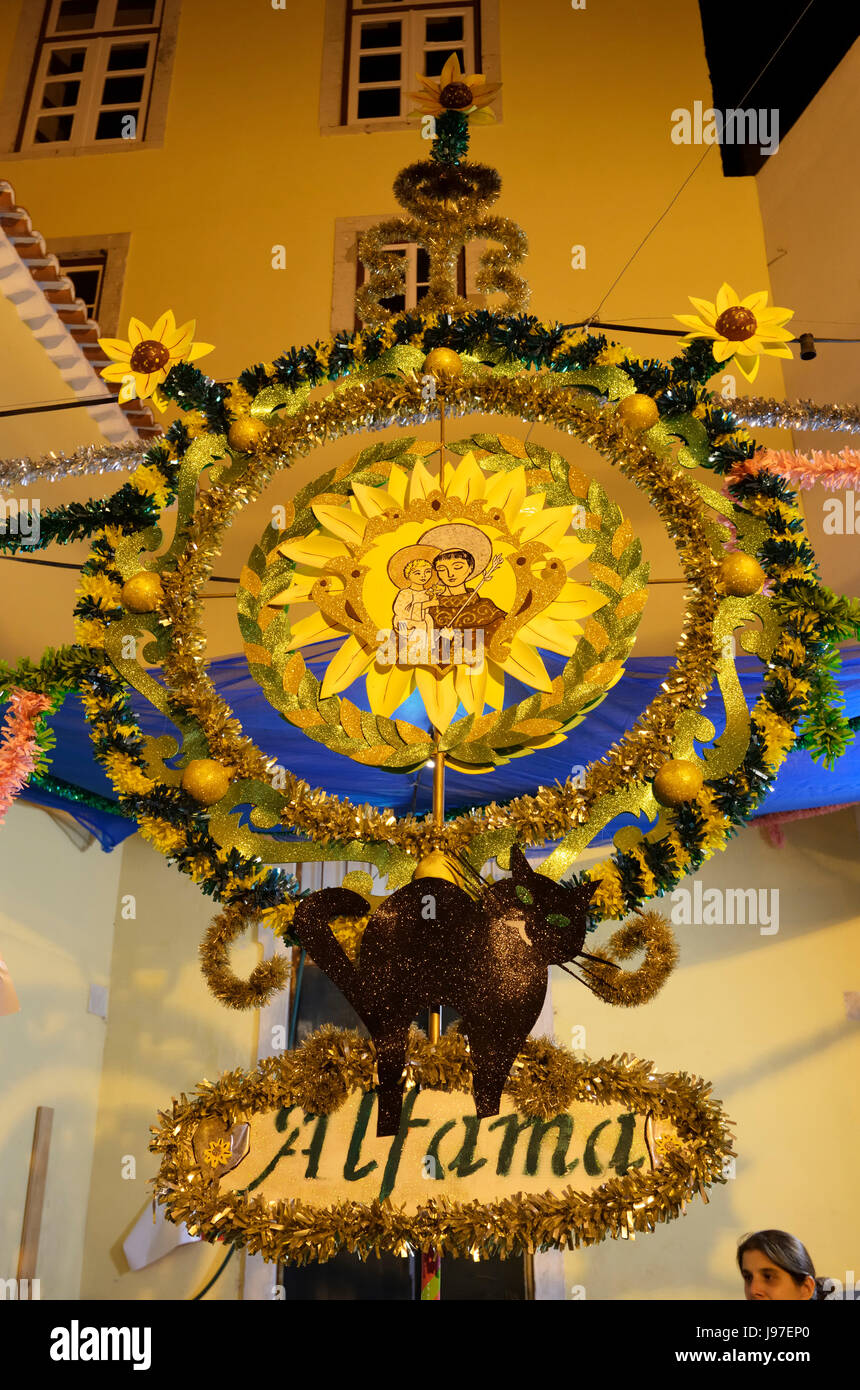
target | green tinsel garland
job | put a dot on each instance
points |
(452, 138)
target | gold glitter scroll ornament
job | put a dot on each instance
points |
(582, 1151)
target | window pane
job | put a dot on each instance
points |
(395, 302)
(86, 281)
(60, 94)
(135, 12)
(420, 291)
(445, 30)
(378, 101)
(63, 60)
(436, 60)
(423, 267)
(128, 55)
(382, 67)
(51, 129)
(122, 89)
(76, 14)
(110, 124)
(382, 35)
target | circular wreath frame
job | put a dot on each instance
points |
(534, 819)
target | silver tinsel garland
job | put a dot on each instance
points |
(795, 415)
(90, 458)
(119, 458)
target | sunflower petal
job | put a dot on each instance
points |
(723, 350)
(198, 350)
(345, 667)
(480, 117)
(450, 72)
(726, 298)
(776, 350)
(137, 331)
(163, 326)
(439, 696)
(707, 310)
(748, 366)
(115, 349)
(525, 665)
(117, 371)
(127, 392)
(699, 327)
(755, 301)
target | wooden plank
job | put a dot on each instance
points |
(31, 1226)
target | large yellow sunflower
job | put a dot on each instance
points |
(355, 549)
(143, 362)
(743, 329)
(455, 90)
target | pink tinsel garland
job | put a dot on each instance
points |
(18, 748)
(804, 470)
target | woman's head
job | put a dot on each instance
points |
(776, 1266)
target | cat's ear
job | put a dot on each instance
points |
(520, 867)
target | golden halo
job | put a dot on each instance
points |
(459, 536)
(402, 558)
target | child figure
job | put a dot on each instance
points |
(411, 569)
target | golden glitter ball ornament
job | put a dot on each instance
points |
(442, 362)
(245, 433)
(638, 412)
(143, 593)
(677, 782)
(206, 780)
(437, 865)
(741, 575)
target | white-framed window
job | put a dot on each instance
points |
(417, 276)
(93, 74)
(388, 44)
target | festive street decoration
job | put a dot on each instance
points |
(742, 330)
(439, 570)
(582, 1151)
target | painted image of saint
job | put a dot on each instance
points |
(463, 562)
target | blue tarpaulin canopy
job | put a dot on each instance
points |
(800, 784)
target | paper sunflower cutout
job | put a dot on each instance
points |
(144, 361)
(218, 1152)
(469, 93)
(743, 329)
(485, 556)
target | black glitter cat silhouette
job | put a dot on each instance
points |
(487, 958)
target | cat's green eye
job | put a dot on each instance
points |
(558, 919)
(524, 895)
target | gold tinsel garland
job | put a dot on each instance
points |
(545, 1080)
(265, 980)
(649, 932)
